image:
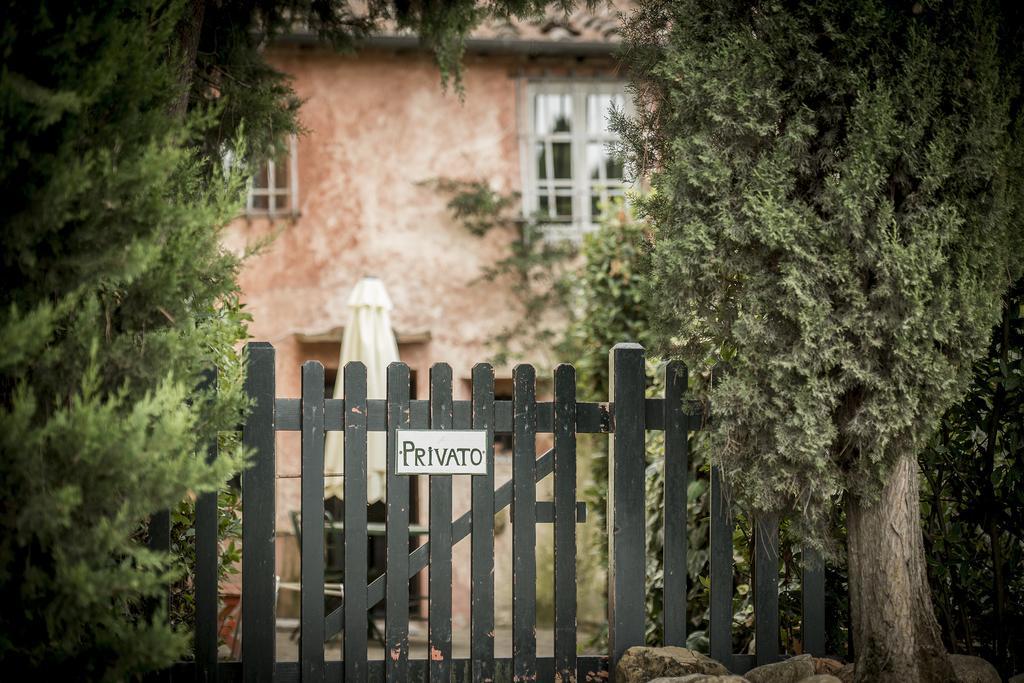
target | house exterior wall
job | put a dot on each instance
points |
(378, 125)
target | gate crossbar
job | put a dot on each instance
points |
(335, 621)
(627, 417)
(591, 417)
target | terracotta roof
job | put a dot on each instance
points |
(594, 30)
(600, 24)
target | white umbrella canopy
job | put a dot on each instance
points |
(367, 338)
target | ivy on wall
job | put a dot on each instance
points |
(591, 298)
(538, 273)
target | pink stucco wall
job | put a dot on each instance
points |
(379, 124)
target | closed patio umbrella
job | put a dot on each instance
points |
(368, 338)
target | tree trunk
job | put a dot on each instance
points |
(190, 29)
(895, 634)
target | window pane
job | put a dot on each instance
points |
(613, 166)
(544, 207)
(595, 159)
(260, 202)
(553, 114)
(281, 174)
(542, 161)
(563, 207)
(561, 156)
(280, 201)
(259, 181)
(596, 206)
(598, 109)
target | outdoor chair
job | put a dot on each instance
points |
(334, 572)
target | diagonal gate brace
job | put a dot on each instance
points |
(418, 558)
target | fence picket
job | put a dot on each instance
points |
(356, 544)
(482, 541)
(524, 530)
(627, 417)
(206, 565)
(766, 589)
(160, 540)
(720, 628)
(258, 594)
(439, 625)
(591, 418)
(626, 466)
(311, 607)
(396, 618)
(461, 527)
(677, 469)
(565, 523)
(812, 629)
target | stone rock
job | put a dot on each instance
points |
(825, 665)
(642, 664)
(1019, 678)
(845, 674)
(700, 678)
(821, 678)
(787, 671)
(974, 670)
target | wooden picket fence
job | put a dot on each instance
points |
(625, 418)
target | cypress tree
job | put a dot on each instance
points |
(118, 120)
(117, 295)
(837, 204)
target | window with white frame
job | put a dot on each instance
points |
(273, 191)
(571, 175)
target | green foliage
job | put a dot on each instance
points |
(118, 294)
(614, 303)
(183, 548)
(972, 504)
(122, 159)
(836, 198)
(227, 40)
(538, 272)
(613, 299)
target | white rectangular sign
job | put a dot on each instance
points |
(449, 451)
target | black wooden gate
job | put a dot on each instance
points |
(626, 418)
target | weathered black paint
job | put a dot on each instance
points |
(766, 589)
(311, 606)
(677, 470)
(396, 618)
(626, 537)
(355, 522)
(419, 558)
(258, 589)
(720, 628)
(481, 635)
(588, 668)
(591, 418)
(628, 416)
(524, 529)
(439, 626)
(565, 524)
(206, 566)
(813, 603)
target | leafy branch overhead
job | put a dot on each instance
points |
(128, 128)
(222, 48)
